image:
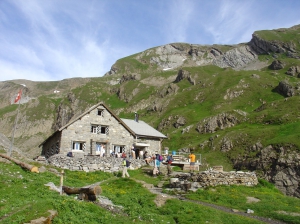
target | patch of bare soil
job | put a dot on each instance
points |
(161, 198)
(255, 65)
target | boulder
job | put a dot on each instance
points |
(294, 71)
(285, 89)
(276, 65)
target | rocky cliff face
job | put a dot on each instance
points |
(277, 164)
(261, 46)
(172, 56)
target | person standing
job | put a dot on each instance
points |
(169, 162)
(126, 164)
(141, 154)
(133, 152)
(192, 161)
(156, 170)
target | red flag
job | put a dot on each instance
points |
(18, 96)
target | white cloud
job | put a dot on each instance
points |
(61, 50)
(54, 39)
(10, 71)
(230, 19)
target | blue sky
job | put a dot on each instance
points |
(47, 40)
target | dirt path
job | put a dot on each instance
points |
(161, 198)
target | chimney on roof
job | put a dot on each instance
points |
(136, 116)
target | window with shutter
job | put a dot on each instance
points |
(100, 129)
(78, 145)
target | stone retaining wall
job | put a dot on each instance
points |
(215, 178)
(92, 163)
(185, 180)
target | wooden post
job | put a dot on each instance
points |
(61, 181)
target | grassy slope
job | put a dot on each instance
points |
(24, 197)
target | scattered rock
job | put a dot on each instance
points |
(43, 219)
(276, 65)
(252, 200)
(285, 89)
(294, 71)
(249, 211)
(255, 76)
(288, 213)
(221, 121)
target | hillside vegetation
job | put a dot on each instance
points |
(230, 103)
(25, 196)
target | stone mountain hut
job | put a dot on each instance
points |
(99, 131)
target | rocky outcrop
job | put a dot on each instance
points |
(236, 58)
(181, 121)
(226, 144)
(64, 115)
(124, 95)
(277, 164)
(277, 65)
(221, 121)
(175, 121)
(113, 70)
(261, 46)
(168, 56)
(187, 129)
(168, 90)
(285, 89)
(230, 94)
(157, 105)
(294, 71)
(182, 74)
(126, 78)
(65, 112)
(241, 56)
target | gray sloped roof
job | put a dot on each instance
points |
(142, 128)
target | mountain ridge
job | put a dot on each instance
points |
(221, 100)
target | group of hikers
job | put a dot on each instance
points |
(157, 159)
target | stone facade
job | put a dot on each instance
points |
(98, 131)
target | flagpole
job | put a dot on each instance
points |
(15, 124)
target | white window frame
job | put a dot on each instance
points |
(78, 145)
(119, 148)
(100, 129)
